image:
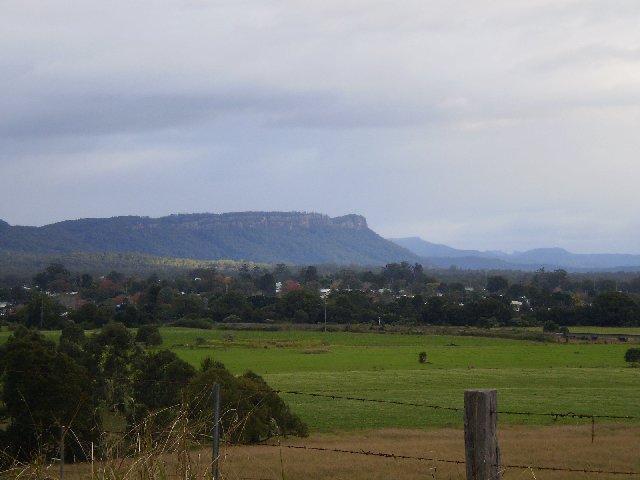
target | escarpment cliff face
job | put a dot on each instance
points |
(270, 237)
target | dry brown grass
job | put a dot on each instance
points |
(616, 447)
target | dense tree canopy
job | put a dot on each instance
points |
(43, 391)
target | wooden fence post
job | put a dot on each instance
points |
(216, 432)
(61, 452)
(482, 453)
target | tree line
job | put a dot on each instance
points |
(396, 293)
(79, 381)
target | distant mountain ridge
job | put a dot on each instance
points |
(265, 237)
(302, 238)
(550, 258)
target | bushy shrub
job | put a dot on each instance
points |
(632, 355)
(149, 335)
(250, 410)
(203, 323)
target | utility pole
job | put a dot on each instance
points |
(325, 314)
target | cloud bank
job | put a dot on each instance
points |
(502, 125)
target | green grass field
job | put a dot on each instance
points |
(529, 376)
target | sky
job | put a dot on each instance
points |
(499, 125)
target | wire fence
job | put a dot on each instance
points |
(203, 437)
(396, 456)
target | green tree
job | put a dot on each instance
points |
(254, 411)
(55, 278)
(149, 335)
(296, 300)
(310, 274)
(112, 350)
(158, 381)
(632, 355)
(615, 309)
(266, 283)
(44, 390)
(42, 312)
(497, 284)
(73, 342)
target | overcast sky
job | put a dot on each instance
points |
(504, 124)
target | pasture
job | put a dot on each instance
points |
(530, 376)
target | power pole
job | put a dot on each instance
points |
(325, 314)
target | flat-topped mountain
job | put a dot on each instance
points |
(267, 237)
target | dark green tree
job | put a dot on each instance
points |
(266, 283)
(55, 278)
(497, 284)
(45, 389)
(111, 351)
(632, 355)
(252, 410)
(149, 335)
(158, 381)
(42, 312)
(615, 309)
(310, 274)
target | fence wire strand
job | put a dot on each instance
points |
(397, 456)
(387, 455)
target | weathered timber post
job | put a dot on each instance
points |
(61, 452)
(482, 453)
(215, 431)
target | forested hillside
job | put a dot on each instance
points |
(268, 237)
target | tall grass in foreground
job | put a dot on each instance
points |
(177, 455)
(153, 449)
(167, 444)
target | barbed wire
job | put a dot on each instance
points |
(569, 415)
(365, 452)
(261, 393)
(370, 400)
(380, 401)
(458, 409)
(457, 462)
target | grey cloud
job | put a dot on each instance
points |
(456, 121)
(106, 114)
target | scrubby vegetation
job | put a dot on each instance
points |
(80, 382)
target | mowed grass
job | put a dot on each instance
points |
(590, 379)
